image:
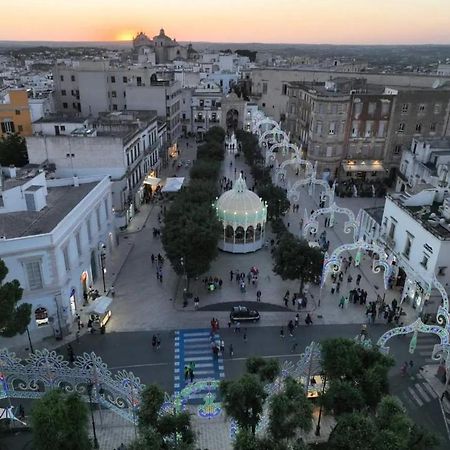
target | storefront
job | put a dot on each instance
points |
(415, 293)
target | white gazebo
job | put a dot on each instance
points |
(243, 216)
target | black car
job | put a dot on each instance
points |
(243, 314)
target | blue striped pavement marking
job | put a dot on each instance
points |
(195, 346)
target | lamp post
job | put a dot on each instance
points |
(90, 386)
(29, 341)
(183, 265)
(324, 381)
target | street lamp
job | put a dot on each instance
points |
(102, 248)
(29, 341)
(324, 381)
(90, 386)
(183, 265)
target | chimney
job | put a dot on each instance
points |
(76, 182)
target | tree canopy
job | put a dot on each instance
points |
(13, 319)
(243, 399)
(357, 376)
(13, 150)
(295, 259)
(191, 228)
(60, 422)
(162, 431)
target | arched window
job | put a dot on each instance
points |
(229, 234)
(41, 316)
(258, 232)
(249, 234)
(239, 235)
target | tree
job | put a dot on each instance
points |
(277, 203)
(190, 235)
(13, 319)
(60, 422)
(290, 411)
(206, 169)
(295, 259)
(162, 431)
(243, 399)
(354, 431)
(342, 397)
(266, 369)
(366, 370)
(13, 150)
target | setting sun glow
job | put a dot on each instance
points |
(125, 36)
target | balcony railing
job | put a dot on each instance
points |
(199, 120)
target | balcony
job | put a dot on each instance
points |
(197, 120)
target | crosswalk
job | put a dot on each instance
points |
(194, 346)
(419, 393)
(425, 345)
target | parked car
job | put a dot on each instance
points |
(243, 314)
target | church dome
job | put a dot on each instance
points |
(240, 205)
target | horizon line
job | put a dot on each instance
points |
(233, 43)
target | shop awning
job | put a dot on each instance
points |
(100, 305)
(362, 166)
(173, 184)
(152, 181)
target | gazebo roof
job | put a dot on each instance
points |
(240, 204)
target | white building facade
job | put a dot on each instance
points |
(53, 246)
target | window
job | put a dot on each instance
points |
(139, 81)
(319, 128)
(106, 208)
(89, 231)
(78, 242)
(332, 128)
(113, 79)
(433, 127)
(8, 126)
(17, 112)
(372, 107)
(20, 128)
(66, 258)
(61, 77)
(62, 128)
(63, 92)
(329, 152)
(407, 250)
(369, 125)
(72, 77)
(405, 107)
(113, 94)
(125, 79)
(97, 213)
(65, 105)
(422, 108)
(401, 127)
(424, 262)
(41, 316)
(385, 107)
(2, 203)
(437, 108)
(418, 128)
(34, 274)
(264, 88)
(114, 106)
(441, 271)
(397, 149)
(284, 89)
(392, 230)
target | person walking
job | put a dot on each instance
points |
(308, 320)
(297, 320)
(158, 342)
(258, 295)
(231, 350)
(237, 327)
(282, 332)
(342, 302)
(245, 335)
(186, 373)
(231, 275)
(358, 279)
(191, 374)
(291, 328)
(333, 287)
(294, 347)
(222, 347)
(154, 342)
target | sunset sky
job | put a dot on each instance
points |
(290, 21)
